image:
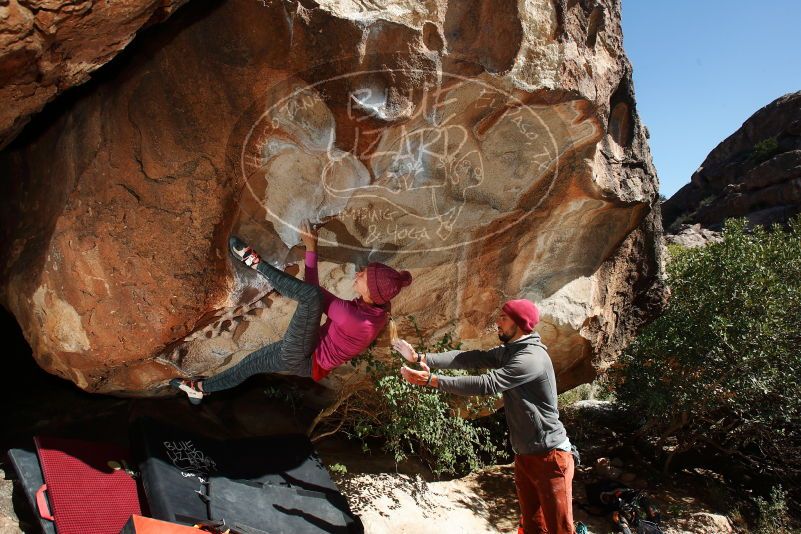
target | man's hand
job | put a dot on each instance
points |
(406, 350)
(308, 234)
(420, 378)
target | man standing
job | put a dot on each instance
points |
(521, 369)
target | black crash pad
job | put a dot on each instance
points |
(180, 471)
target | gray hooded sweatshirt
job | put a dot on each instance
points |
(523, 372)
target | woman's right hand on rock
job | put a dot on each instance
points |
(308, 234)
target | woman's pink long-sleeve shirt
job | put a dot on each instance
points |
(350, 326)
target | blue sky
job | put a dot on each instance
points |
(702, 67)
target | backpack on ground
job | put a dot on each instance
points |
(630, 510)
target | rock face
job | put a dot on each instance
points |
(48, 46)
(491, 148)
(708, 523)
(754, 173)
(691, 236)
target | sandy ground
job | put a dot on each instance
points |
(485, 502)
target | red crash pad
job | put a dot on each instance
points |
(89, 489)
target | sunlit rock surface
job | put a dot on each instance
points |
(491, 148)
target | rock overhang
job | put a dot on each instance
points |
(489, 173)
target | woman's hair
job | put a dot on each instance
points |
(393, 330)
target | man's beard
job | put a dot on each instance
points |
(506, 337)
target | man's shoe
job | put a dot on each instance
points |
(190, 387)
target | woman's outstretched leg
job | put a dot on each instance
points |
(302, 334)
(264, 360)
(292, 354)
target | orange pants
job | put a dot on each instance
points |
(545, 489)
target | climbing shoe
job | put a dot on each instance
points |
(242, 252)
(190, 387)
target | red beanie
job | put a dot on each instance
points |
(523, 312)
(384, 282)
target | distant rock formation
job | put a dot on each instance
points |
(491, 147)
(692, 235)
(754, 173)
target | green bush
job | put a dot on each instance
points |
(721, 367)
(597, 390)
(410, 420)
(338, 469)
(772, 514)
(433, 425)
(765, 149)
(420, 421)
(684, 218)
(707, 201)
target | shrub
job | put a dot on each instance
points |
(572, 396)
(722, 367)
(338, 469)
(411, 420)
(765, 149)
(597, 390)
(684, 218)
(772, 516)
(706, 201)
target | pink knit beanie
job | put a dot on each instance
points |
(523, 312)
(384, 282)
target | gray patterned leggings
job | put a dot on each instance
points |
(292, 354)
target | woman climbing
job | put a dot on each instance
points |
(307, 348)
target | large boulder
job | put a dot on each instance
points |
(491, 148)
(48, 46)
(754, 173)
